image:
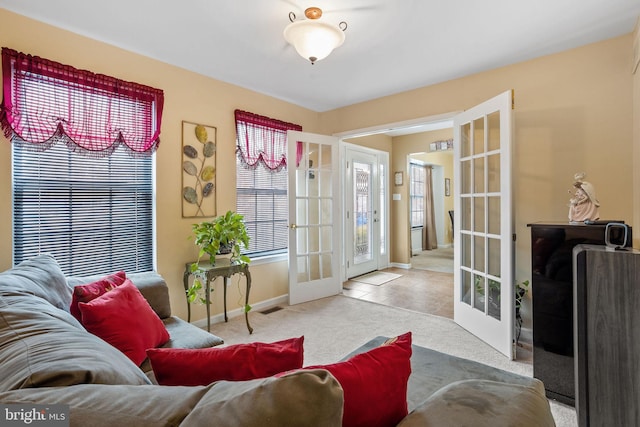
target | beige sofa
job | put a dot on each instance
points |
(47, 357)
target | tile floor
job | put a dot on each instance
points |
(418, 290)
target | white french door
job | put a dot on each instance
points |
(314, 217)
(363, 213)
(484, 248)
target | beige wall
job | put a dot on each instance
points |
(188, 96)
(573, 112)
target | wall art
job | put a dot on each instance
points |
(198, 170)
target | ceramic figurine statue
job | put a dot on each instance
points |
(583, 205)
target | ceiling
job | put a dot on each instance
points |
(391, 45)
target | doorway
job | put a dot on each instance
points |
(366, 210)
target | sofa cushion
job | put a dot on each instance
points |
(183, 334)
(40, 276)
(124, 319)
(483, 403)
(94, 289)
(375, 383)
(238, 362)
(44, 346)
(305, 399)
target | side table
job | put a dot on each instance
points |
(225, 268)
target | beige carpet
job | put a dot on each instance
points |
(376, 278)
(440, 260)
(335, 326)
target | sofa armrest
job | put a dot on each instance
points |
(153, 287)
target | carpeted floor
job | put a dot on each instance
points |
(440, 259)
(333, 327)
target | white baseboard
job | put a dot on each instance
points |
(258, 306)
(401, 265)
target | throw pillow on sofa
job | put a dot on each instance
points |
(91, 291)
(187, 367)
(124, 319)
(375, 384)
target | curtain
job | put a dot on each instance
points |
(45, 101)
(429, 238)
(263, 140)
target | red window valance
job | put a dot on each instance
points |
(263, 140)
(45, 101)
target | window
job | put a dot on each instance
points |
(417, 177)
(94, 215)
(261, 179)
(82, 165)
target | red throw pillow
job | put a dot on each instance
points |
(124, 319)
(202, 366)
(91, 291)
(375, 384)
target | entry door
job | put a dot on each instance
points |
(314, 217)
(362, 213)
(484, 247)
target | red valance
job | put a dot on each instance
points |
(45, 101)
(264, 140)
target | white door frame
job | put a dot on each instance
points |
(381, 204)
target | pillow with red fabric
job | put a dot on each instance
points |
(123, 318)
(240, 362)
(375, 384)
(91, 291)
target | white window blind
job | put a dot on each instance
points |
(262, 199)
(94, 215)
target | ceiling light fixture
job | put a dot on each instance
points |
(314, 40)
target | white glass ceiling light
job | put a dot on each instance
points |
(314, 40)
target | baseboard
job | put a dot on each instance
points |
(258, 306)
(401, 265)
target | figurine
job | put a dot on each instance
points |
(583, 205)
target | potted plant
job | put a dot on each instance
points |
(225, 234)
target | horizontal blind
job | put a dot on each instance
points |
(262, 198)
(94, 215)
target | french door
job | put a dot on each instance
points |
(484, 248)
(314, 217)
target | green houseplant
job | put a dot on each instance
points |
(226, 234)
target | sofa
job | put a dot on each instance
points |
(47, 357)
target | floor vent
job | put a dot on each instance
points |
(271, 310)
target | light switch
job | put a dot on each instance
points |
(396, 196)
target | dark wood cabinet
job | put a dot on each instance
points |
(607, 319)
(552, 298)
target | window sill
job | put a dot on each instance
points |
(268, 259)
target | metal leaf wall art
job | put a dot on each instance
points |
(198, 170)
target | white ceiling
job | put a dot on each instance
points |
(391, 45)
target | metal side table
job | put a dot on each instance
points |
(225, 268)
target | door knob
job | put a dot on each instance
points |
(293, 226)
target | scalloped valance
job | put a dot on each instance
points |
(263, 140)
(45, 101)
